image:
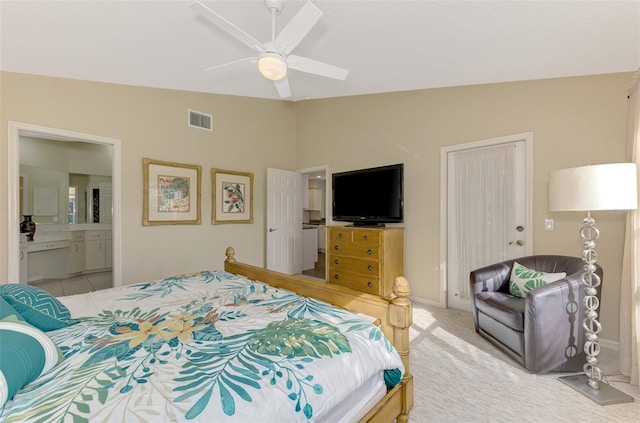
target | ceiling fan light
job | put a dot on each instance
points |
(272, 66)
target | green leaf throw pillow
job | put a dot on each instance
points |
(26, 353)
(524, 279)
(37, 306)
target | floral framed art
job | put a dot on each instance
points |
(171, 193)
(232, 197)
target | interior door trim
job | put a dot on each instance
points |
(527, 137)
(17, 129)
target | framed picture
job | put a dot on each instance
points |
(171, 193)
(232, 197)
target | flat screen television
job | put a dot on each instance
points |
(369, 197)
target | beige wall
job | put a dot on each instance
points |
(574, 121)
(249, 135)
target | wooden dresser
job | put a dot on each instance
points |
(366, 259)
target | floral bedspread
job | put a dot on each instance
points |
(208, 347)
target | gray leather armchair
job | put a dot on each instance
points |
(543, 332)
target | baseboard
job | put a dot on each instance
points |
(424, 301)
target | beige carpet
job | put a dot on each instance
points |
(459, 377)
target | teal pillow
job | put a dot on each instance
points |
(524, 279)
(37, 306)
(26, 353)
(6, 310)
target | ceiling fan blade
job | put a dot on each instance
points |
(304, 64)
(246, 59)
(297, 28)
(283, 87)
(227, 26)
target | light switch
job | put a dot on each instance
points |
(548, 224)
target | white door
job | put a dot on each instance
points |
(284, 221)
(496, 235)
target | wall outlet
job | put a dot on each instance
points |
(548, 224)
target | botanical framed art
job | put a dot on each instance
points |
(171, 193)
(232, 197)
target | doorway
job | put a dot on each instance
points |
(315, 216)
(18, 130)
(292, 225)
(486, 189)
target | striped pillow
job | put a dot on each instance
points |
(37, 306)
(26, 354)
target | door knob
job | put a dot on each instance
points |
(271, 229)
(519, 243)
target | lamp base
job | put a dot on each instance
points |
(606, 395)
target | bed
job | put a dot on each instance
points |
(241, 345)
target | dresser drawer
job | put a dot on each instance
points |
(340, 235)
(353, 264)
(370, 285)
(356, 236)
(358, 250)
(367, 237)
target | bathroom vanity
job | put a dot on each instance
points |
(62, 251)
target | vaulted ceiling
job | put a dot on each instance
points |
(386, 45)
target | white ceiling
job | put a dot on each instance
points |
(387, 45)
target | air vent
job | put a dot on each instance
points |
(200, 120)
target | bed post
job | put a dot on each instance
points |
(401, 316)
(230, 253)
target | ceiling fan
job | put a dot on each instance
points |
(275, 56)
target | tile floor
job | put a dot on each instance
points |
(319, 271)
(75, 285)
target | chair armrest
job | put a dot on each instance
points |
(553, 325)
(490, 278)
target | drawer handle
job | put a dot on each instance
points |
(369, 252)
(340, 235)
(370, 268)
(336, 261)
(366, 237)
(335, 247)
(370, 285)
(336, 276)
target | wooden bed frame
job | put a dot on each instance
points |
(393, 316)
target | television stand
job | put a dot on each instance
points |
(365, 259)
(366, 225)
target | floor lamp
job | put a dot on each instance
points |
(587, 189)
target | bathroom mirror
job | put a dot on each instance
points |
(65, 182)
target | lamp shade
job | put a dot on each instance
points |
(597, 187)
(272, 66)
